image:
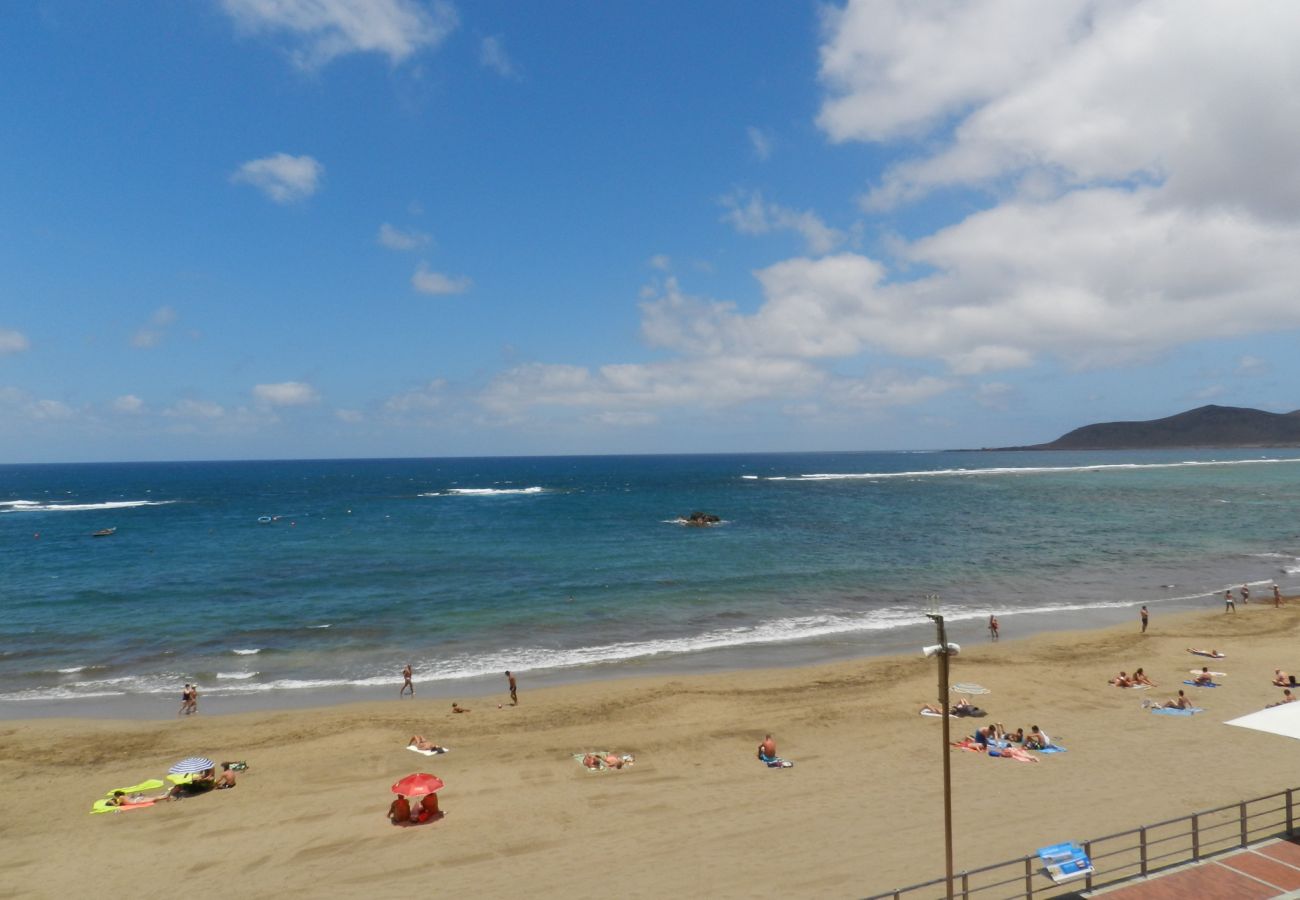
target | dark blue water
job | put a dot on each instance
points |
(467, 567)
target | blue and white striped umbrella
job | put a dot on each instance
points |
(191, 765)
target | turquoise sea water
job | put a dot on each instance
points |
(564, 568)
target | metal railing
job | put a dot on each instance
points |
(1125, 855)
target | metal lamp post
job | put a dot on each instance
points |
(947, 769)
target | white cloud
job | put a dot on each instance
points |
(661, 261)
(748, 214)
(396, 239)
(1253, 366)
(492, 54)
(195, 409)
(283, 178)
(286, 393)
(421, 399)
(18, 403)
(427, 281)
(151, 334)
(129, 404)
(759, 142)
(351, 416)
(12, 342)
(325, 29)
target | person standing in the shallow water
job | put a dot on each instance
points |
(514, 690)
(1245, 594)
(1229, 605)
(1145, 615)
(993, 627)
(1277, 596)
(407, 684)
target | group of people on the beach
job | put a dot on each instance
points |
(1230, 604)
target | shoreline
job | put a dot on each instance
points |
(696, 814)
(969, 630)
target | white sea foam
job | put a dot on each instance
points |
(327, 625)
(237, 675)
(483, 492)
(1023, 470)
(247, 652)
(32, 506)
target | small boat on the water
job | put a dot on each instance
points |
(105, 532)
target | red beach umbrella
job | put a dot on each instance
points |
(418, 785)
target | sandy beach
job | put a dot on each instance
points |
(697, 815)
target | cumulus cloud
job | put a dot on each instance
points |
(748, 214)
(492, 55)
(129, 404)
(322, 30)
(421, 399)
(17, 403)
(156, 329)
(1134, 162)
(283, 178)
(190, 408)
(759, 142)
(396, 239)
(426, 281)
(12, 342)
(286, 393)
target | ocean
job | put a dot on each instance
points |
(292, 582)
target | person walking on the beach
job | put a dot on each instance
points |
(514, 689)
(1277, 597)
(194, 699)
(406, 681)
(185, 701)
(1229, 605)
(1245, 593)
(993, 627)
(1145, 615)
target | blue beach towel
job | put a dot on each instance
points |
(1052, 749)
(1201, 684)
(1178, 712)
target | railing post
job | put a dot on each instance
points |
(1029, 878)
(965, 885)
(1087, 849)
(1142, 846)
(1244, 840)
(1196, 838)
(1290, 829)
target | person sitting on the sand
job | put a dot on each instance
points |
(1179, 702)
(457, 708)
(429, 808)
(419, 742)
(1037, 739)
(1122, 680)
(767, 749)
(1213, 654)
(1140, 677)
(1017, 736)
(1205, 677)
(226, 779)
(1287, 697)
(1280, 678)
(400, 811)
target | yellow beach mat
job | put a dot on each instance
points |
(151, 785)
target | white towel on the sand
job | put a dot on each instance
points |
(415, 749)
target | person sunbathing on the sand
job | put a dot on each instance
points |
(419, 743)
(1015, 753)
(614, 761)
(592, 761)
(1280, 678)
(931, 708)
(1122, 680)
(1037, 739)
(1140, 677)
(1213, 654)
(118, 799)
(400, 811)
(457, 708)
(1205, 677)
(1287, 697)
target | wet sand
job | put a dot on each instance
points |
(697, 815)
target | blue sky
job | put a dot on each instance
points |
(324, 228)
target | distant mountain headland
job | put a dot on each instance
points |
(1205, 427)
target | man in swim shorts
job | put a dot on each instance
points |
(1144, 614)
(1229, 605)
(400, 811)
(1205, 677)
(1287, 697)
(514, 690)
(1036, 739)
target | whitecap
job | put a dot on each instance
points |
(1023, 470)
(247, 652)
(29, 506)
(483, 492)
(237, 675)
